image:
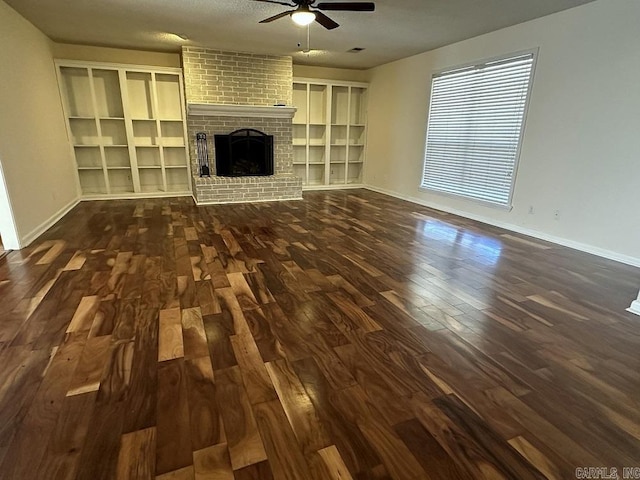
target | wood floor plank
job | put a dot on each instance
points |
(136, 460)
(170, 341)
(83, 317)
(257, 471)
(254, 375)
(206, 424)
(212, 463)
(206, 298)
(66, 441)
(243, 438)
(88, 373)
(285, 457)
(356, 451)
(173, 450)
(230, 307)
(143, 390)
(349, 335)
(351, 310)
(335, 465)
(298, 407)
(268, 345)
(391, 406)
(219, 330)
(242, 291)
(40, 420)
(435, 461)
(258, 286)
(99, 456)
(186, 473)
(193, 333)
(394, 454)
(506, 458)
(536, 458)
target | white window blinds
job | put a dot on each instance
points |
(475, 125)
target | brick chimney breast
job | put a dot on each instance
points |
(214, 77)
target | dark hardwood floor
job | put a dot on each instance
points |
(349, 335)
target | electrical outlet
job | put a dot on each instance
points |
(556, 215)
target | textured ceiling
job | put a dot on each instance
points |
(397, 29)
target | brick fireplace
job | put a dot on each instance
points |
(227, 91)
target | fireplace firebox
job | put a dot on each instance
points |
(244, 152)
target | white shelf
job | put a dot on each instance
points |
(126, 126)
(329, 131)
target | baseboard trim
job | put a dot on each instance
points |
(600, 252)
(265, 200)
(26, 240)
(135, 196)
(312, 188)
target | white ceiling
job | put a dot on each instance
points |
(397, 29)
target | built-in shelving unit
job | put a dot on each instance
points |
(127, 128)
(329, 132)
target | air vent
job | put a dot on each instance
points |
(355, 50)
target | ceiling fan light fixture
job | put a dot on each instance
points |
(303, 17)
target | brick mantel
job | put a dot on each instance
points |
(225, 110)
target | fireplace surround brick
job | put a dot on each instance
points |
(213, 77)
(280, 128)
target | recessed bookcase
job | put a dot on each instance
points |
(127, 128)
(329, 132)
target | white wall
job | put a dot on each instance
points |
(581, 149)
(88, 53)
(348, 74)
(34, 150)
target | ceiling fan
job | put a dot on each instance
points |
(306, 12)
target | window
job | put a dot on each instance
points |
(476, 118)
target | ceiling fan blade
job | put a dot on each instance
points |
(276, 2)
(276, 17)
(347, 6)
(325, 21)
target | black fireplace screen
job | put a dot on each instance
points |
(244, 152)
